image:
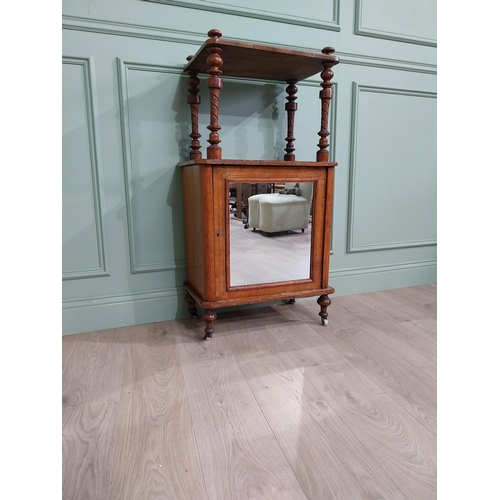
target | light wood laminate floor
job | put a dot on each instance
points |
(274, 407)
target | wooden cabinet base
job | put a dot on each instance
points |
(210, 315)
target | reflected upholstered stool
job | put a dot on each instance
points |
(274, 213)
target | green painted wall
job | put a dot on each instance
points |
(125, 127)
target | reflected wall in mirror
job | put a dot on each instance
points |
(270, 229)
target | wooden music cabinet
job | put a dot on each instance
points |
(230, 262)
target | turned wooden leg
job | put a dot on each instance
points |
(324, 301)
(192, 305)
(209, 317)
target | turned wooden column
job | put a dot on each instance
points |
(325, 96)
(214, 83)
(290, 107)
(194, 100)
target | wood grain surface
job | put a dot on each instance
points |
(240, 455)
(276, 406)
(87, 445)
(156, 455)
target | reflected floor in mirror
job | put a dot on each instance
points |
(258, 258)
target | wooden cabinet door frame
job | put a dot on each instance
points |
(222, 177)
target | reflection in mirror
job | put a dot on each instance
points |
(270, 232)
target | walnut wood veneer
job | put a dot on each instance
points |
(206, 181)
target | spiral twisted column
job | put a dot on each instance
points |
(194, 101)
(214, 83)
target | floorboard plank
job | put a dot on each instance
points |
(410, 387)
(414, 298)
(303, 345)
(403, 447)
(240, 456)
(93, 372)
(426, 328)
(67, 344)
(412, 347)
(156, 455)
(416, 461)
(88, 433)
(392, 308)
(329, 462)
(430, 288)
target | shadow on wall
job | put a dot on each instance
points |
(249, 117)
(137, 200)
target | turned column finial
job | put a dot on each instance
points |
(325, 96)
(290, 107)
(214, 33)
(214, 83)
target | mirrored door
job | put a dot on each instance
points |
(270, 226)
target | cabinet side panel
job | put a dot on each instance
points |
(330, 182)
(193, 227)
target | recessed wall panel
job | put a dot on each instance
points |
(393, 169)
(82, 252)
(154, 120)
(410, 21)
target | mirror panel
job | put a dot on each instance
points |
(270, 227)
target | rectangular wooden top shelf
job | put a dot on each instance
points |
(263, 62)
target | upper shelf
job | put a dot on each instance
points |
(263, 62)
